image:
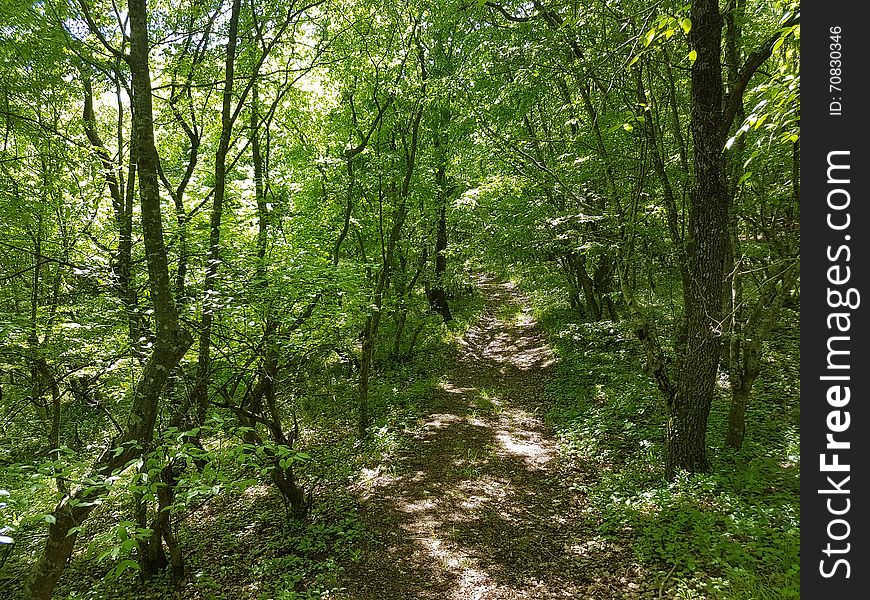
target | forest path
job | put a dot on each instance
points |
(480, 507)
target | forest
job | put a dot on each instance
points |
(394, 299)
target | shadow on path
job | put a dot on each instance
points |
(479, 508)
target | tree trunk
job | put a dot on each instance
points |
(165, 499)
(152, 559)
(401, 318)
(382, 279)
(122, 205)
(588, 288)
(737, 415)
(283, 476)
(209, 306)
(170, 345)
(152, 553)
(708, 244)
(437, 295)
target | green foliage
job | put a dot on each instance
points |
(311, 566)
(374, 124)
(733, 533)
(122, 541)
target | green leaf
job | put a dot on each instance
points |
(49, 519)
(778, 43)
(693, 56)
(106, 554)
(686, 24)
(628, 127)
(649, 37)
(125, 564)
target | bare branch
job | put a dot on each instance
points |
(92, 25)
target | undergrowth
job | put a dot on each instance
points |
(237, 540)
(730, 534)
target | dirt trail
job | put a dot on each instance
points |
(479, 508)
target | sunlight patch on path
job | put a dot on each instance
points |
(437, 421)
(474, 509)
(518, 436)
(452, 388)
(534, 454)
(481, 493)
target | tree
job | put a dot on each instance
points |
(700, 252)
(305, 188)
(171, 341)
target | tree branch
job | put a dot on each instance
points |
(511, 17)
(92, 25)
(752, 64)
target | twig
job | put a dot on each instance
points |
(665, 580)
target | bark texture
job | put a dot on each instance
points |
(707, 248)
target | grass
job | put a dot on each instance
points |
(469, 468)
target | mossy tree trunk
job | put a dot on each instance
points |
(171, 341)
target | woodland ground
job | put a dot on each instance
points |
(481, 506)
(519, 463)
